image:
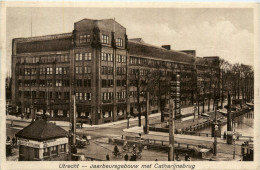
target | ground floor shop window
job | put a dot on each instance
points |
(107, 114)
(46, 152)
(63, 148)
(54, 150)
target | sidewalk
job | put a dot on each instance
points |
(67, 124)
(165, 136)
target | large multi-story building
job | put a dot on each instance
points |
(104, 70)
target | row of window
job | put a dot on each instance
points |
(107, 83)
(84, 38)
(44, 71)
(83, 96)
(44, 94)
(44, 59)
(110, 95)
(84, 69)
(157, 63)
(83, 56)
(43, 83)
(83, 83)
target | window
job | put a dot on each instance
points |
(59, 70)
(84, 39)
(27, 71)
(42, 71)
(119, 42)
(104, 70)
(103, 57)
(33, 71)
(110, 70)
(118, 82)
(79, 83)
(65, 70)
(54, 150)
(78, 70)
(87, 69)
(58, 83)
(87, 82)
(104, 39)
(104, 83)
(78, 57)
(49, 70)
(110, 83)
(87, 56)
(121, 95)
(66, 95)
(49, 83)
(42, 83)
(87, 96)
(109, 57)
(66, 83)
(63, 148)
(58, 95)
(123, 58)
(46, 152)
(120, 71)
(79, 96)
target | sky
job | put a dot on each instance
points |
(224, 32)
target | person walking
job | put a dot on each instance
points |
(107, 157)
(13, 140)
(126, 157)
(116, 150)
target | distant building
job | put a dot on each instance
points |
(96, 63)
(42, 140)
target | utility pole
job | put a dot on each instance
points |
(175, 110)
(229, 121)
(171, 131)
(215, 136)
(147, 113)
(74, 121)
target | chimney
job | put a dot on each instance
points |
(167, 47)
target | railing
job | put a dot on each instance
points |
(193, 133)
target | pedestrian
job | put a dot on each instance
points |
(116, 150)
(187, 158)
(177, 158)
(126, 157)
(81, 124)
(140, 148)
(225, 135)
(107, 157)
(8, 139)
(13, 140)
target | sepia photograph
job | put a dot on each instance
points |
(129, 83)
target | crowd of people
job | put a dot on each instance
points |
(12, 141)
(135, 153)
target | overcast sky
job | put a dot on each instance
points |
(223, 32)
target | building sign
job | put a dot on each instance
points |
(216, 130)
(44, 144)
(30, 143)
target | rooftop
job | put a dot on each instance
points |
(42, 130)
